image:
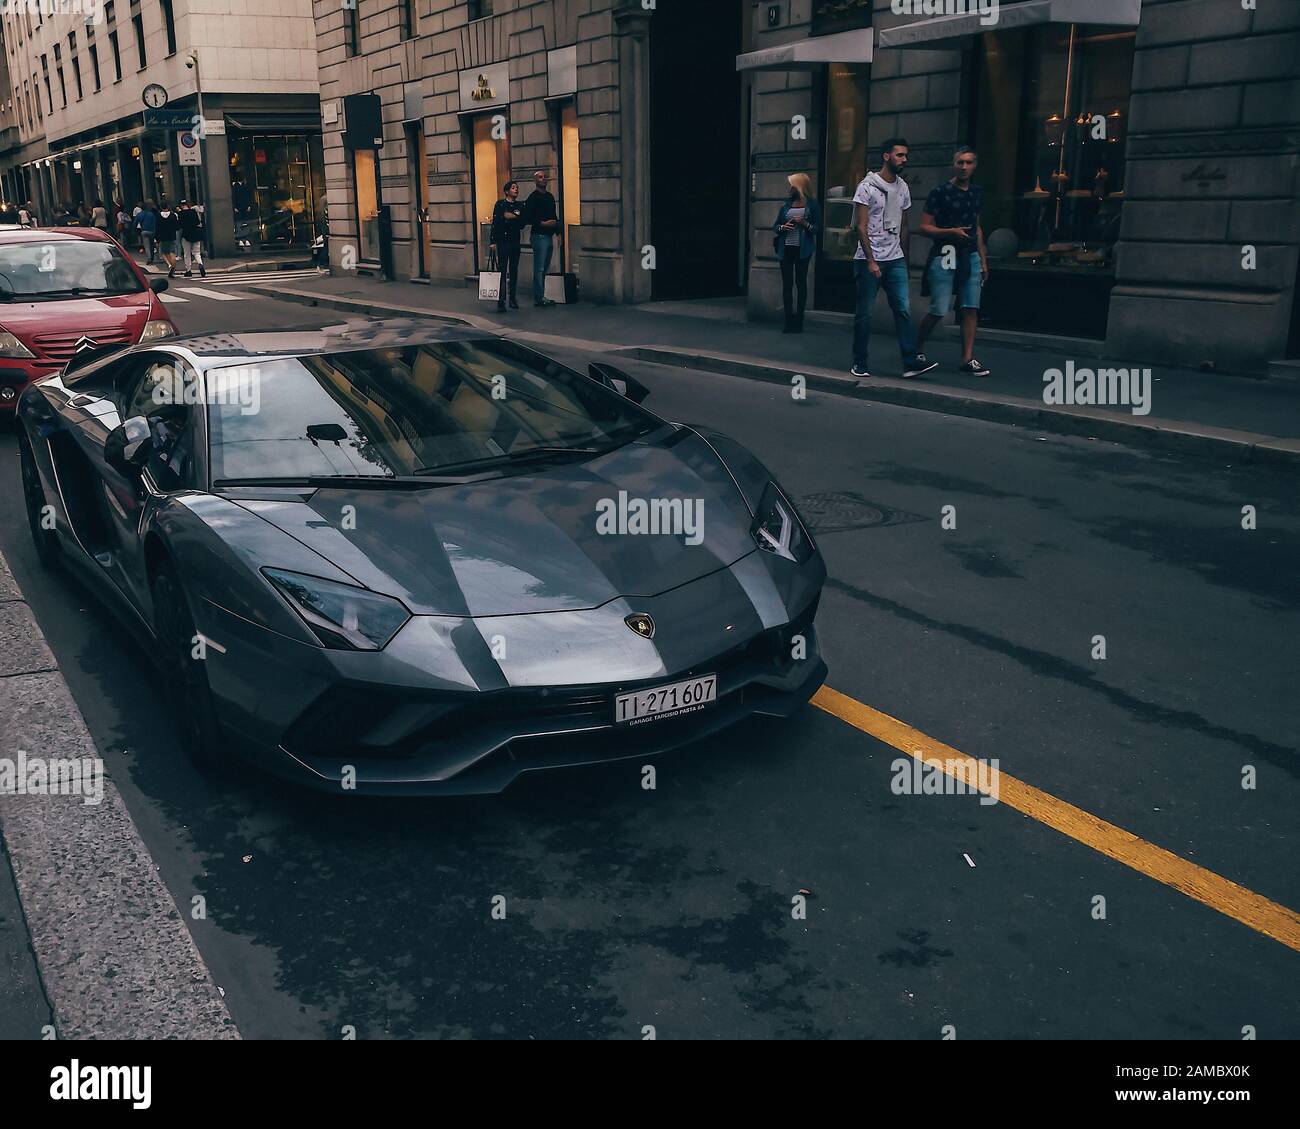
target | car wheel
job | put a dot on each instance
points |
(45, 540)
(174, 628)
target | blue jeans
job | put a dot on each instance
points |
(543, 249)
(893, 280)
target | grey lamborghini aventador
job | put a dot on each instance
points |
(391, 558)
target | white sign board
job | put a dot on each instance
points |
(187, 145)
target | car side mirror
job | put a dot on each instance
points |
(127, 447)
(620, 381)
(157, 285)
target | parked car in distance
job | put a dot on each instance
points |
(65, 290)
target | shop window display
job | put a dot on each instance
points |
(1051, 128)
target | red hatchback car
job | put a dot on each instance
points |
(66, 289)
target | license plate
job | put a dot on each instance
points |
(666, 701)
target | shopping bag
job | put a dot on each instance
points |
(555, 289)
(489, 282)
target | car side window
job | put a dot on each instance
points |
(160, 392)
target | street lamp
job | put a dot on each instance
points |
(192, 63)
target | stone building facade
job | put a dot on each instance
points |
(471, 93)
(82, 131)
(1173, 235)
(1139, 156)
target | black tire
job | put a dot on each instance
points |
(189, 690)
(34, 501)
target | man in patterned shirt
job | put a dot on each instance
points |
(958, 265)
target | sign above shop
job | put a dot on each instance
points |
(485, 86)
(168, 119)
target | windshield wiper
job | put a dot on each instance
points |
(527, 455)
(361, 481)
(76, 292)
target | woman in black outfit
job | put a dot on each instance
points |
(796, 230)
(507, 223)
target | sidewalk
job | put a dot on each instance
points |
(297, 259)
(1227, 416)
(91, 940)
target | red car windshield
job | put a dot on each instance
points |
(63, 268)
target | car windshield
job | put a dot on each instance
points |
(416, 410)
(63, 268)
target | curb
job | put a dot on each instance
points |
(1176, 436)
(113, 953)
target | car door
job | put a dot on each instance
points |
(160, 387)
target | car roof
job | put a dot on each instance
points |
(349, 336)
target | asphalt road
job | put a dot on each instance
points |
(672, 907)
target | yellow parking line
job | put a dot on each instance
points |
(1213, 890)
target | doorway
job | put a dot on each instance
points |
(417, 163)
(697, 190)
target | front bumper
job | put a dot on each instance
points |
(467, 721)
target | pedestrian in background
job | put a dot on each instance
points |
(99, 215)
(146, 223)
(541, 214)
(507, 225)
(796, 230)
(880, 208)
(958, 265)
(27, 215)
(191, 221)
(167, 231)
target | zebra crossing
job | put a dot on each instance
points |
(224, 288)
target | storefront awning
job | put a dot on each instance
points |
(273, 123)
(807, 54)
(941, 31)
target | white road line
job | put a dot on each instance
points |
(171, 299)
(274, 276)
(203, 293)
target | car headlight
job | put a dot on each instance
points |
(157, 328)
(777, 527)
(341, 616)
(10, 346)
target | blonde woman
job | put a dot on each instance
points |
(795, 243)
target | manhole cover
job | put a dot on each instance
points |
(833, 513)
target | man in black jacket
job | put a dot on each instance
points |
(167, 227)
(540, 212)
(507, 223)
(191, 221)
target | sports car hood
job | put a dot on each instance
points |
(560, 538)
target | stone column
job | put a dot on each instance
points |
(1213, 148)
(632, 29)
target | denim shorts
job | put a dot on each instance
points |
(944, 282)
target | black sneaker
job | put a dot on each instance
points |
(860, 372)
(189, 274)
(919, 366)
(203, 271)
(973, 368)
